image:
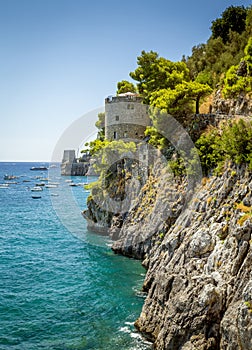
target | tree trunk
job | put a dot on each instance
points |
(197, 104)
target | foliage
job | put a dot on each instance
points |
(101, 120)
(239, 77)
(233, 19)
(100, 124)
(208, 149)
(179, 99)
(155, 73)
(224, 48)
(97, 145)
(166, 85)
(230, 142)
(125, 86)
(112, 151)
(107, 155)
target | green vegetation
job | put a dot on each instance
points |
(110, 159)
(225, 48)
(232, 141)
(166, 85)
(238, 78)
(224, 62)
(233, 20)
(125, 86)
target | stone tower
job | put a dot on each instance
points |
(126, 117)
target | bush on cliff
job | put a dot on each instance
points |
(232, 141)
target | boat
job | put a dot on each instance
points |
(4, 185)
(10, 177)
(36, 189)
(73, 184)
(51, 186)
(36, 196)
(42, 168)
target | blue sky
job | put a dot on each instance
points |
(61, 58)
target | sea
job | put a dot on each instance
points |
(61, 286)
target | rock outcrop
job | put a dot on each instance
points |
(241, 105)
(198, 259)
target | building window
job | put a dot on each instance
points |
(125, 134)
(136, 133)
(115, 135)
(130, 106)
(144, 157)
(117, 117)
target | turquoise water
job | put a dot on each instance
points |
(61, 288)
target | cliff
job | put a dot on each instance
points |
(198, 258)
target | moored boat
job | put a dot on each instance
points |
(10, 177)
(36, 196)
(36, 189)
(42, 168)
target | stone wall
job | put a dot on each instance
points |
(125, 117)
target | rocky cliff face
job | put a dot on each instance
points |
(198, 259)
(238, 106)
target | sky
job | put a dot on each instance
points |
(60, 59)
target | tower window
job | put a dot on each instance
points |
(125, 134)
(115, 135)
(117, 117)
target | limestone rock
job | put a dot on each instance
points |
(199, 260)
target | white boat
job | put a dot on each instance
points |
(51, 186)
(36, 189)
(4, 185)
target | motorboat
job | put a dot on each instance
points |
(51, 186)
(36, 196)
(36, 189)
(10, 177)
(39, 168)
(4, 185)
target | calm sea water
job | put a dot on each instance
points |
(61, 287)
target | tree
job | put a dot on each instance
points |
(179, 100)
(238, 78)
(233, 19)
(100, 124)
(125, 86)
(154, 73)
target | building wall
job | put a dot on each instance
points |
(125, 117)
(68, 156)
